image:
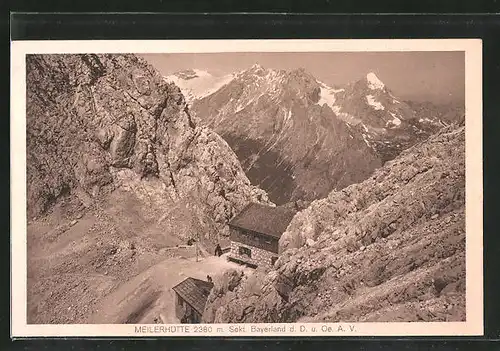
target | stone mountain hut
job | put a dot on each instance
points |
(190, 298)
(255, 233)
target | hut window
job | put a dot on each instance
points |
(245, 251)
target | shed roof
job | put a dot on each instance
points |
(263, 219)
(195, 292)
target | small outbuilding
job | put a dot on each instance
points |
(190, 298)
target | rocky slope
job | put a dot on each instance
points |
(288, 143)
(98, 122)
(118, 175)
(391, 248)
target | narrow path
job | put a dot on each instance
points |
(149, 295)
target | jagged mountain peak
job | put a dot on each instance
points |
(388, 124)
(300, 71)
(257, 71)
(302, 74)
(374, 82)
(284, 135)
(257, 75)
(256, 66)
(258, 79)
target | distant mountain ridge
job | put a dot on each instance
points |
(286, 142)
(298, 137)
(445, 113)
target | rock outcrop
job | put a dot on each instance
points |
(96, 123)
(389, 249)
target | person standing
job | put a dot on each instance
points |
(218, 250)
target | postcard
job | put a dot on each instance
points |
(246, 188)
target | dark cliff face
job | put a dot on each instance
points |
(391, 248)
(287, 143)
(96, 123)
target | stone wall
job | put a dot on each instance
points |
(179, 307)
(253, 239)
(258, 257)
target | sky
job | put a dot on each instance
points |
(421, 76)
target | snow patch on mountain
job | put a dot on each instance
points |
(196, 83)
(239, 108)
(327, 96)
(434, 122)
(370, 99)
(255, 70)
(373, 81)
(288, 117)
(287, 122)
(395, 121)
(365, 139)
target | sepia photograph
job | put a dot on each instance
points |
(247, 187)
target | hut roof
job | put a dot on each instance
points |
(263, 219)
(195, 292)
